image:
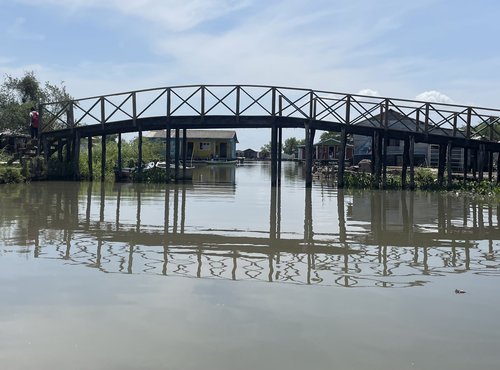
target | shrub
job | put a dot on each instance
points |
(11, 175)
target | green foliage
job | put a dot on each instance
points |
(327, 135)
(151, 151)
(11, 175)
(425, 180)
(290, 145)
(18, 95)
(361, 180)
(154, 175)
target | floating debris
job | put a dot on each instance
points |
(459, 291)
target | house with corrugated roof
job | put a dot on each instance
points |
(424, 153)
(326, 150)
(202, 144)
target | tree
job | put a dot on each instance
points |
(291, 144)
(265, 150)
(19, 94)
(327, 135)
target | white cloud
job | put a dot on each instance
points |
(176, 15)
(434, 96)
(368, 92)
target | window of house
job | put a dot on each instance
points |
(204, 146)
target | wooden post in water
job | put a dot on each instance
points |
(280, 149)
(76, 158)
(474, 163)
(373, 157)
(404, 168)
(377, 154)
(411, 156)
(60, 151)
(441, 163)
(120, 161)
(103, 157)
(274, 155)
(490, 165)
(498, 170)
(89, 158)
(448, 165)
(68, 149)
(384, 160)
(309, 154)
(184, 152)
(167, 154)
(466, 164)
(139, 165)
(341, 167)
(176, 154)
(480, 162)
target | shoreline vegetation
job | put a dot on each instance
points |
(35, 169)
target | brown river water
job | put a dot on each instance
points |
(228, 273)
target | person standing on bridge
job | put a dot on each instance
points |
(33, 123)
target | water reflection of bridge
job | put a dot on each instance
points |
(381, 239)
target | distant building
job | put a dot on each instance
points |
(250, 154)
(326, 150)
(424, 154)
(202, 144)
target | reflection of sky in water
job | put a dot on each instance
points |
(121, 312)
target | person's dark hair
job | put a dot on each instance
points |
(32, 109)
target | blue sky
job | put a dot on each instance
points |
(431, 49)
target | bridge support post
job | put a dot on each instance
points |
(498, 169)
(89, 158)
(448, 165)
(167, 154)
(384, 160)
(120, 161)
(404, 168)
(480, 162)
(373, 156)
(274, 155)
(176, 154)
(76, 157)
(341, 166)
(60, 151)
(68, 149)
(103, 158)
(139, 165)
(280, 149)
(466, 164)
(411, 155)
(441, 163)
(490, 166)
(309, 154)
(376, 153)
(474, 163)
(60, 158)
(184, 152)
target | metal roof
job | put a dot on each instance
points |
(195, 134)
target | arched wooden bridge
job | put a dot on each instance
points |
(475, 129)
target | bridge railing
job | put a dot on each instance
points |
(254, 100)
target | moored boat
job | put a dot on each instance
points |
(187, 176)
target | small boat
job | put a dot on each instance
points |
(126, 174)
(219, 162)
(181, 176)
